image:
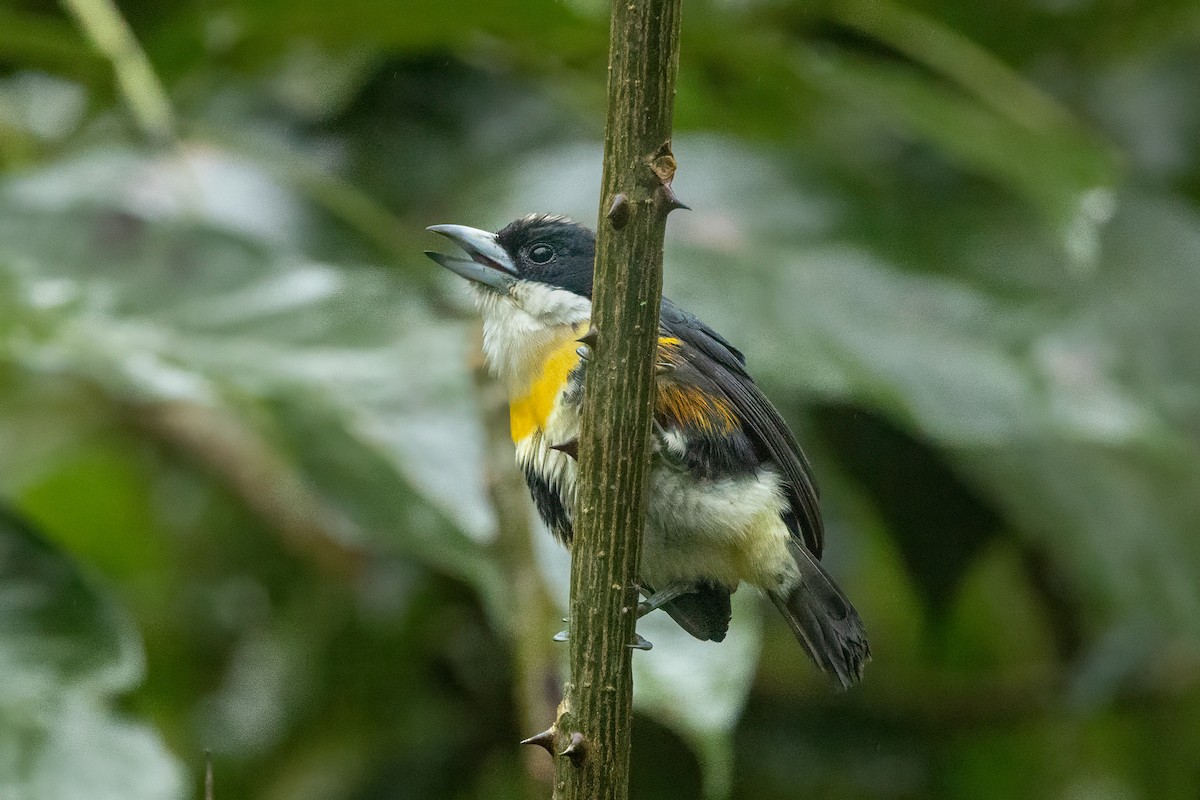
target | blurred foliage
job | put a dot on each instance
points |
(248, 502)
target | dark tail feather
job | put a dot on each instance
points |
(704, 613)
(823, 620)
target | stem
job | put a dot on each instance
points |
(108, 31)
(248, 465)
(940, 48)
(536, 658)
(596, 715)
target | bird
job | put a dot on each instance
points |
(732, 498)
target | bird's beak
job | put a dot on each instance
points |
(488, 264)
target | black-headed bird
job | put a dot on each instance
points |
(731, 496)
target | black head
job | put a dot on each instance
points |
(543, 248)
(552, 250)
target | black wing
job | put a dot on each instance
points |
(725, 367)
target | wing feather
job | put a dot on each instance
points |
(725, 366)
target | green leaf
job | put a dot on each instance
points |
(81, 752)
(1061, 169)
(40, 41)
(65, 649)
(57, 631)
(182, 285)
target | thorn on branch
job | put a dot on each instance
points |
(570, 447)
(618, 212)
(670, 200)
(576, 750)
(545, 740)
(590, 338)
(663, 165)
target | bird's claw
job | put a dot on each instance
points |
(639, 642)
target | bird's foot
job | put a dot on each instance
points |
(639, 641)
(656, 600)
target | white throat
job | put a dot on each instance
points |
(521, 328)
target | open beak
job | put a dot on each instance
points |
(488, 263)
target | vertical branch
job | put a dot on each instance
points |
(536, 658)
(593, 727)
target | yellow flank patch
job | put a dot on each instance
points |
(689, 406)
(532, 411)
(668, 350)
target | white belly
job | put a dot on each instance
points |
(725, 531)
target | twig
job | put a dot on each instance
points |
(530, 609)
(108, 31)
(257, 474)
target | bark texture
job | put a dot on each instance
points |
(592, 732)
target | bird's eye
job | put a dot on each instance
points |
(541, 253)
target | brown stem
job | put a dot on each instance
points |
(531, 610)
(258, 475)
(614, 445)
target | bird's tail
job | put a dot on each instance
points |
(823, 620)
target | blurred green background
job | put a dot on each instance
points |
(255, 493)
